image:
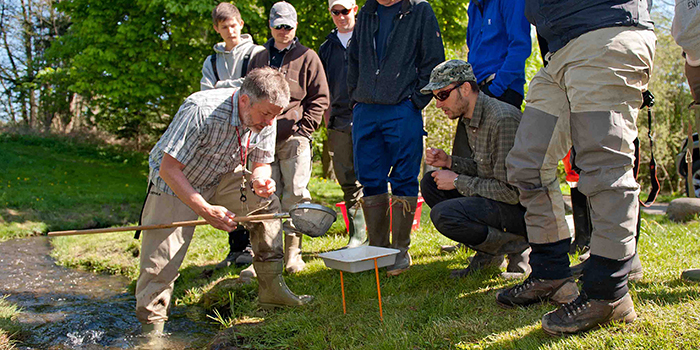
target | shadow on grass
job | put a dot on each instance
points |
(666, 293)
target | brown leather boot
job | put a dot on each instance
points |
(584, 314)
(292, 253)
(272, 291)
(403, 211)
(376, 210)
(534, 290)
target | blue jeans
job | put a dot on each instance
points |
(388, 147)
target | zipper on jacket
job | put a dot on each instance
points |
(380, 64)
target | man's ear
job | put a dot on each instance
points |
(244, 101)
(242, 23)
(355, 9)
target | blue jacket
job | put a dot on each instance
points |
(499, 42)
(560, 21)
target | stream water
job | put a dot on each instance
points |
(70, 309)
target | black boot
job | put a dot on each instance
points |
(239, 241)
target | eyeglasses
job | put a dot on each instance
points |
(445, 94)
(345, 12)
(284, 26)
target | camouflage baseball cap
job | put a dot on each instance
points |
(448, 72)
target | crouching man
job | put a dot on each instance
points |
(471, 200)
(197, 169)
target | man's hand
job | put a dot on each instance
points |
(219, 217)
(437, 158)
(264, 187)
(444, 179)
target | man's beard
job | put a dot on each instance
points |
(247, 121)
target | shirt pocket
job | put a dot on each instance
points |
(483, 164)
(296, 84)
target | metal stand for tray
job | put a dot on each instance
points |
(379, 291)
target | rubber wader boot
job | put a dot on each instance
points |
(272, 291)
(376, 210)
(692, 275)
(148, 328)
(292, 252)
(403, 211)
(582, 221)
(356, 227)
(479, 261)
(499, 243)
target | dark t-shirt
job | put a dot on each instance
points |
(386, 24)
(276, 56)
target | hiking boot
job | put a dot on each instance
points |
(534, 290)
(584, 314)
(480, 261)
(636, 270)
(692, 275)
(403, 212)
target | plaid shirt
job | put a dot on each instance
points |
(204, 137)
(491, 133)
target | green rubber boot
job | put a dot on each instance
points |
(356, 227)
(272, 291)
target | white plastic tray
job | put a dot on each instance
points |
(359, 258)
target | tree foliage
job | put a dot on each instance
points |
(136, 60)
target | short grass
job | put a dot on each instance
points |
(59, 183)
(423, 308)
(9, 329)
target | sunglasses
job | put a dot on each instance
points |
(445, 94)
(284, 26)
(336, 13)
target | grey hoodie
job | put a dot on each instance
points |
(686, 29)
(228, 63)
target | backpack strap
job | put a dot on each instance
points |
(212, 59)
(246, 60)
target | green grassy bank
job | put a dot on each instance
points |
(60, 183)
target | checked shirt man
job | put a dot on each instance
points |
(196, 169)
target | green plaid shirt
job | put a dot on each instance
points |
(491, 133)
(204, 137)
